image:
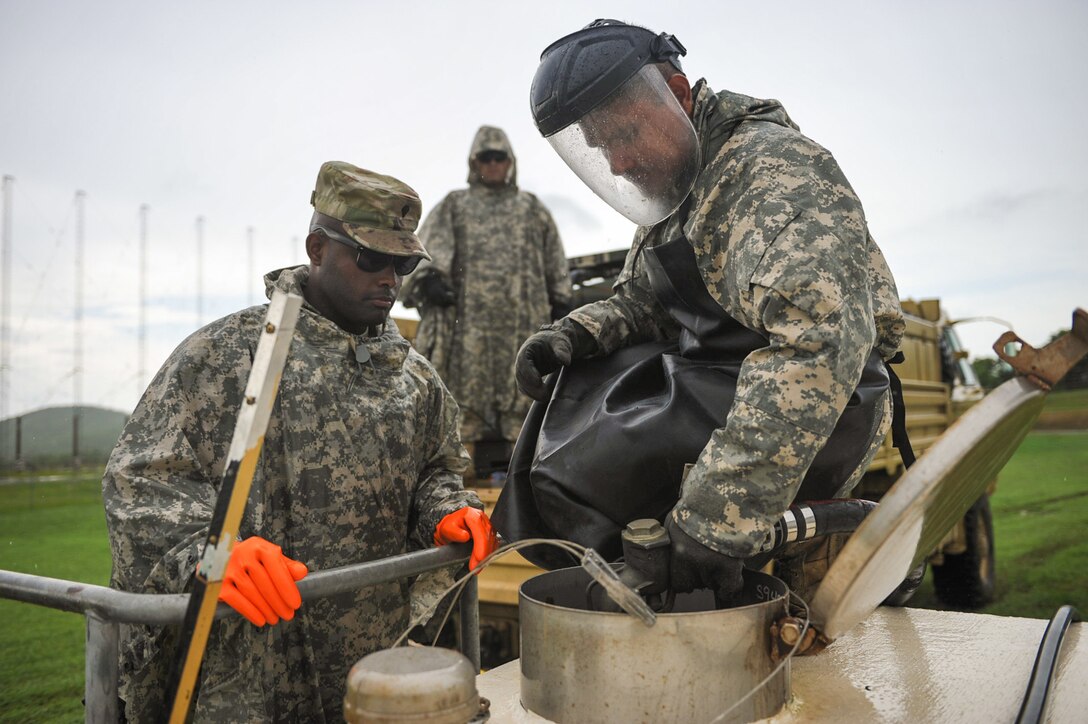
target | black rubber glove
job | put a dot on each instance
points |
(437, 292)
(560, 310)
(692, 565)
(554, 346)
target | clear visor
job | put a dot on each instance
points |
(638, 150)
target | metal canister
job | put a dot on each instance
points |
(694, 664)
(419, 685)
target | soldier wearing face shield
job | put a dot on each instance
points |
(740, 362)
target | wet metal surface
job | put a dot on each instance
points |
(902, 665)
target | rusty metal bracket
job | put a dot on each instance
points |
(1045, 367)
(787, 631)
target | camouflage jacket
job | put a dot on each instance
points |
(501, 252)
(357, 460)
(782, 245)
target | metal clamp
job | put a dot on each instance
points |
(213, 564)
(1045, 367)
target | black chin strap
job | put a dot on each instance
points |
(900, 439)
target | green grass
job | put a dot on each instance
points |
(1067, 400)
(1040, 511)
(55, 529)
(1065, 410)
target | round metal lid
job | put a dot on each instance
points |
(416, 684)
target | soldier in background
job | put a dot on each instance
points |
(498, 271)
(361, 460)
(746, 335)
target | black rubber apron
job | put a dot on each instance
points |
(611, 444)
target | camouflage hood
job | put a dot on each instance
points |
(290, 279)
(490, 138)
(716, 115)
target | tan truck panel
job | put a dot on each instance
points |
(500, 581)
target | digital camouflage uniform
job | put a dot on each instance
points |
(500, 251)
(781, 243)
(357, 460)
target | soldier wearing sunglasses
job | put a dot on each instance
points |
(362, 455)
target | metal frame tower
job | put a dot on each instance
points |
(141, 335)
(199, 271)
(77, 362)
(251, 266)
(5, 299)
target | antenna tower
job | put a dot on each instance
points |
(141, 361)
(5, 299)
(199, 271)
(77, 362)
(251, 266)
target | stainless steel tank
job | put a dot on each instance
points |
(580, 665)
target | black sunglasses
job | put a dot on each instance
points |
(372, 261)
(491, 156)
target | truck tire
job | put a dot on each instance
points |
(905, 590)
(966, 580)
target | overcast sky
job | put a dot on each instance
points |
(960, 125)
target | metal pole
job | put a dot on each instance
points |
(5, 299)
(469, 611)
(100, 670)
(251, 266)
(169, 609)
(141, 362)
(77, 362)
(105, 608)
(199, 271)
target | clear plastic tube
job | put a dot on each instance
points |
(624, 596)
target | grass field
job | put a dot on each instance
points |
(54, 529)
(58, 529)
(1040, 512)
(1067, 400)
(1065, 410)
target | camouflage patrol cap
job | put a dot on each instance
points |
(378, 211)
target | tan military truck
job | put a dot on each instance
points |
(938, 385)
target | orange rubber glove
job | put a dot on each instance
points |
(259, 582)
(463, 525)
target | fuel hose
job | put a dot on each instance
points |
(812, 518)
(1031, 711)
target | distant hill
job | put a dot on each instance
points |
(47, 435)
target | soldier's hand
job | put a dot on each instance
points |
(692, 565)
(437, 292)
(560, 310)
(259, 582)
(554, 346)
(543, 353)
(467, 524)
